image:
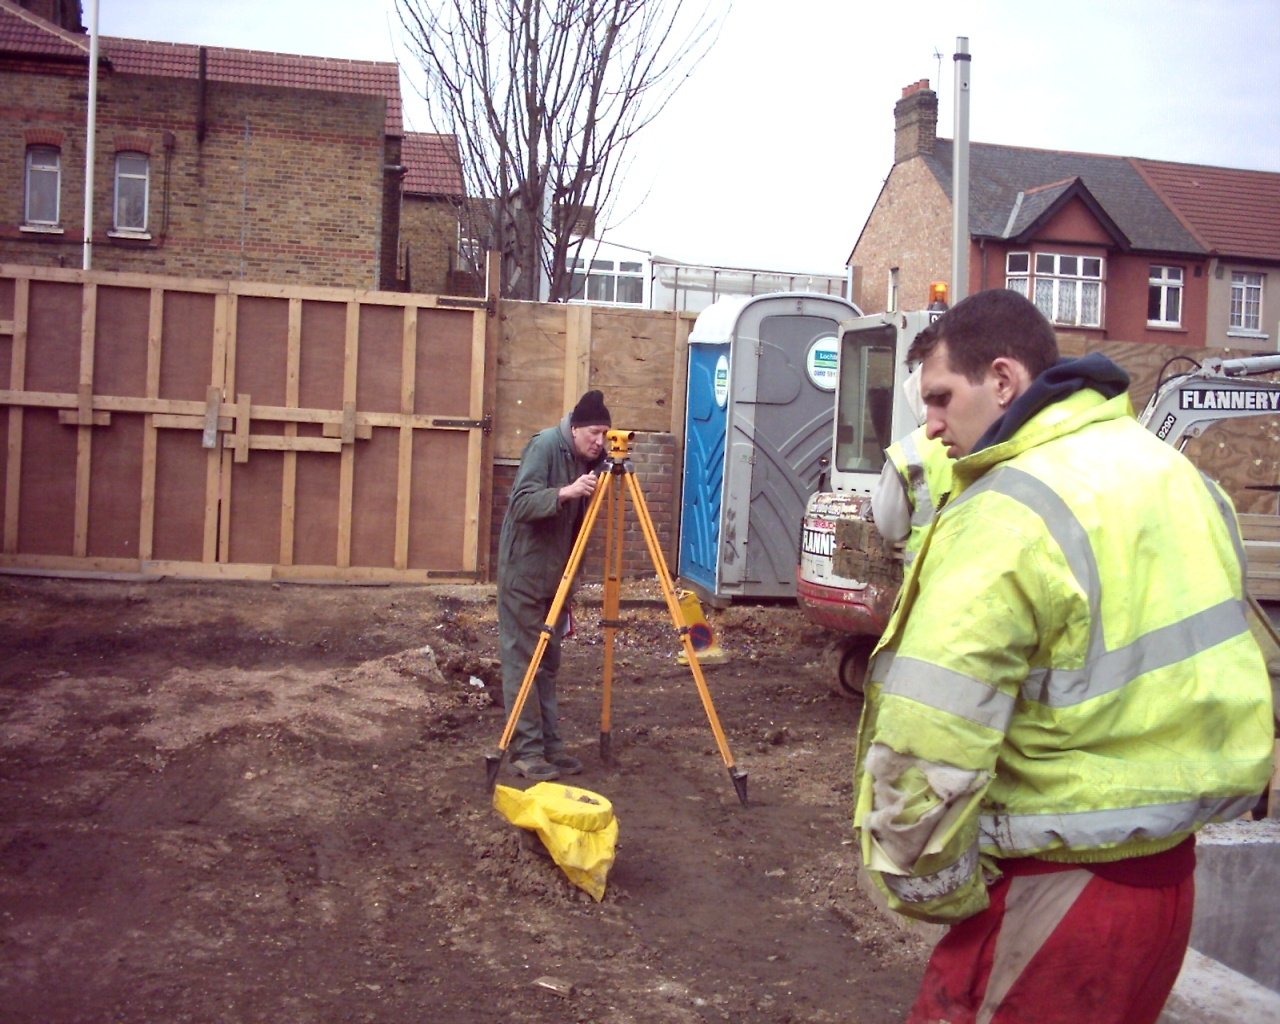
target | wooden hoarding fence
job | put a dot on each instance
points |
(207, 428)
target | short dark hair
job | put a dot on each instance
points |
(985, 326)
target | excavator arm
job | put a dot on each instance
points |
(1184, 405)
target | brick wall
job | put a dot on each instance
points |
(654, 457)
(287, 184)
(429, 228)
(909, 228)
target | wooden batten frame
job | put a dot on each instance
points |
(493, 273)
(471, 525)
(155, 334)
(404, 465)
(213, 468)
(229, 456)
(84, 416)
(17, 380)
(577, 353)
(289, 484)
(346, 472)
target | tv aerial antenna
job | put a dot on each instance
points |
(937, 55)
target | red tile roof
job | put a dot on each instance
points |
(432, 166)
(1231, 212)
(23, 33)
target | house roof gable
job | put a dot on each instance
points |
(25, 34)
(432, 166)
(1035, 207)
(1112, 188)
(1233, 212)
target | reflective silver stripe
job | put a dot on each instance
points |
(918, 482)
(878, 671)
(1160, 648)
(1105, 671)
(949, 691)
(918, 888)
(1014, 832)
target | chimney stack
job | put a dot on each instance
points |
(915, 121)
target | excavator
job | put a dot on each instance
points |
(848, 576)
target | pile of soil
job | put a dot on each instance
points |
(263, 802)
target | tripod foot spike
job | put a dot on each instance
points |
(739, 777)
(606, 752)
(492, 763)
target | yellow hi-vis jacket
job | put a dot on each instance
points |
(1067, 672)
(924, 467)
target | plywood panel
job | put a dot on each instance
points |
(181, 464)
(442, 378)
(7, 286)
(631, 363)
(315, 529)
(120, 341)
(438, 505)
(321, 357)
(46, 512)
(255, 504)
(53, 337)
(373, 513)
(115, 488)
(4, 457)
(262, 330)
(532, 342)
(378, 364)
(186, 347)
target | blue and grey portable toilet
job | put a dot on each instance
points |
(758, 420)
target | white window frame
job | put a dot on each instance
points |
(1059, 290)
(40, 223)
(1168, 281)
(131, 230)
(597, 283)
(891, 304)
(1244, 317)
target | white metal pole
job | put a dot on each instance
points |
(960, 177)
(91, 135)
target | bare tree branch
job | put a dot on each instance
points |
(545, 97)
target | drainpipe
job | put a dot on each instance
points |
(960, 176)
(91, 135)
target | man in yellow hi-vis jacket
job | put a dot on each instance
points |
(1067, 689)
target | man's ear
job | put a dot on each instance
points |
(1011, 377)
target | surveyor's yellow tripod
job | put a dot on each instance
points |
(617, 466)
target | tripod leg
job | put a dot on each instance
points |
(612, 572)
(737, 775)
(493, 762)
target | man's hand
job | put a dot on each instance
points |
(583, 487)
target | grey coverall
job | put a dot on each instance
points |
(537, 538)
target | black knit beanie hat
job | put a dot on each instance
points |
(590, 411)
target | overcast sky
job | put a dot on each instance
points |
(773, 152)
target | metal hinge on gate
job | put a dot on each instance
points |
(456, 302)
(485, 424)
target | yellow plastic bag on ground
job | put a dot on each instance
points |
(575, 825)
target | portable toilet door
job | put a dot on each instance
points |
(756, 458)
(705, 433)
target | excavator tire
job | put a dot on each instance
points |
(854, 661)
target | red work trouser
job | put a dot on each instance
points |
(1063, 947)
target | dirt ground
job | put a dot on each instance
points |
(252, 802)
